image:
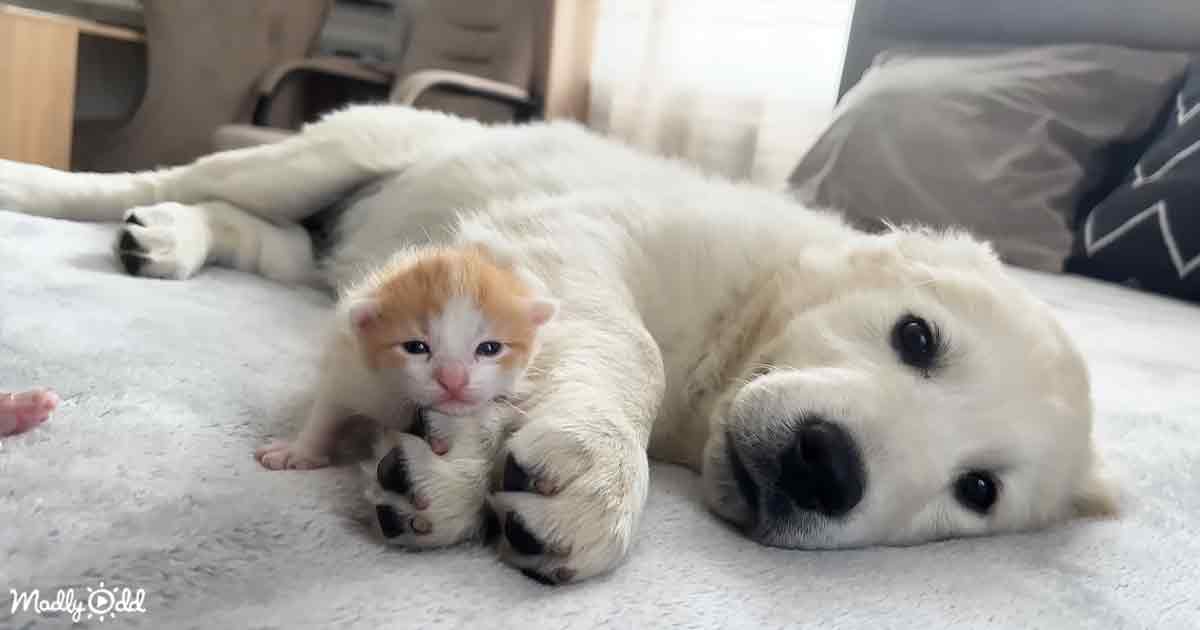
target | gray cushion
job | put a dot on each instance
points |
(1001, 142)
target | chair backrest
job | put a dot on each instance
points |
(496, 39)
(204, 60)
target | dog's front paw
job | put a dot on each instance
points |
(167, 240)
(569, 503)
(429, 487)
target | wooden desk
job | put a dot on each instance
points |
(38, 59)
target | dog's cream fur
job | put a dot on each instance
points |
(676, 290)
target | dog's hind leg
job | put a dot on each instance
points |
(237, 208)
(282, 182)
(287, 180)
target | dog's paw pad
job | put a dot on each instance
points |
(390, 522)
(517, 480)
(561, 575)
(520, 538)
(394, 524)
(420, 525)
(392, 472)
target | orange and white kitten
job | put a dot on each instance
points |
(449, 329)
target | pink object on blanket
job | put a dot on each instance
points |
(20, 412)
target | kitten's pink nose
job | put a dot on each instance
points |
(451, 376)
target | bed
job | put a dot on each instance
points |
(145, 479)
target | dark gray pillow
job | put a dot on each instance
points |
(1001, 142)
(1147, 232)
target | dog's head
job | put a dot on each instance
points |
(902, 391)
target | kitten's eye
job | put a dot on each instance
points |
(415, 347)
(489, 348)
(977, 491)
(915, 341)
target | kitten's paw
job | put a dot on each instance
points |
(570, 504)
(166, 240)
(20, 412)
(439, 430)
(280, 455)
(427, 499)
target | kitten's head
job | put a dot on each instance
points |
(450, 329)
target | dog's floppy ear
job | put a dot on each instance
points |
(1096, 495)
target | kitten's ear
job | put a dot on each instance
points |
(542, 310)
(362, 313)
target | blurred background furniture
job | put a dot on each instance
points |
(212, 67)
(484, 60)
(366, 29)
(204, 60)
(37, 96)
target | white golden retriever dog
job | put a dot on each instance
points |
(833, 388)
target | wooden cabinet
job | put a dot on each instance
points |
(39, 53)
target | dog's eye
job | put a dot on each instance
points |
(977, 491)
(915, 341)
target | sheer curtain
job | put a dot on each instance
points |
(740, 88)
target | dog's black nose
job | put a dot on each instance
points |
(822, 470)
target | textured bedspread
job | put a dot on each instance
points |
(144, 480)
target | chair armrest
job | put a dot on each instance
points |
(418, 83)
(341, 67)
(331, 66)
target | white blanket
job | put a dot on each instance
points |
(145, 480)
